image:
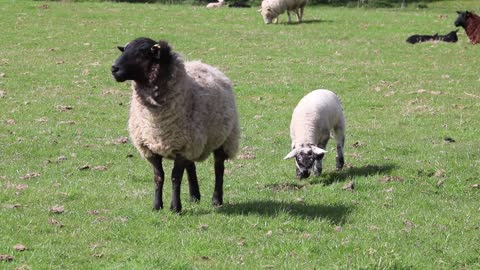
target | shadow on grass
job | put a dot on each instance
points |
(336, 214)
(306, 22)
(340, 176)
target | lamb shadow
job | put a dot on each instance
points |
(340, 176)
(335, 214)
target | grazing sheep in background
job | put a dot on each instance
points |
(271, 9)
(471, 23)
(181, 111)
(450, 37)
(316, 115)
(218, 4)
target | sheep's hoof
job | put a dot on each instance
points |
(317, 173)
(157, 206)
(176, 208)
(217, 202)
(195, 199)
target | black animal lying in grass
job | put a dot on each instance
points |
(450, 37)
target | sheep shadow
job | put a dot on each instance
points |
(306, 22)
(352, 172)
(335, 214)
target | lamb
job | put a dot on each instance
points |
(182, 111)
(218, 4)
(450, 37)
(271, 9)
(471, 23)
(316, 115)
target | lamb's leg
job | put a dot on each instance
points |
(158, 179)
(177, 174)
(193, 182)
(340, 139)
(317, 168)
(219, 156)
(300, 15)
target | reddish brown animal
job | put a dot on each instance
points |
(471, 23)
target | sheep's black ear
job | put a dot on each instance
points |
(122, 49)
(160, 50)
(459, 12)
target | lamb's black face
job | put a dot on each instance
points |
(305, 160)
(462, 19)
(137, 59)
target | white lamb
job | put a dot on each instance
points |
(218, 4)
(180, 111)
(316, 115)
(271, 9)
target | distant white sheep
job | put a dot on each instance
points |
(218, 4)
(180, 111)
(271, 9)
(315, 116)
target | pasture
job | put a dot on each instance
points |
(77, 195)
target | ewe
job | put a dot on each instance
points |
(471, 23)
(181, 111)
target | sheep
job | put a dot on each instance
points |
(218, 4)
(182, 111)
(471, 23)
(271, 9)
(450, 37)
(315, 116)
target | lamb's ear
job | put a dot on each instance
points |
(292, 154)
(318, 151)
(459, 12)
(160, 49)
(122, 49)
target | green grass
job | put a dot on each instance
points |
(61, 55)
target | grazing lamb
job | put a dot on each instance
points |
(316, 115)
(471, 23)
(218, 4)
(450, 37)
(271, 9)
(181, 111)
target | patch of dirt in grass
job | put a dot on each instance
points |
(7, 258)
(57, 209)
(30, 175)
(247, 152)
(19, 247)
(281, 187)
(388, 178)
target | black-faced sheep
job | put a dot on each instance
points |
(471, 23)
(271, 9)
(181, 111)
(450, 37)
(315, 116)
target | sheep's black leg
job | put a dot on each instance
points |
(158, 178)
(177, 174)
(317, 168)
(193, 182)
(220, 157)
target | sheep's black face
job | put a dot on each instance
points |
(462, 19)
(137, 58)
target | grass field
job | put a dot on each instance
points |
(78, 197)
